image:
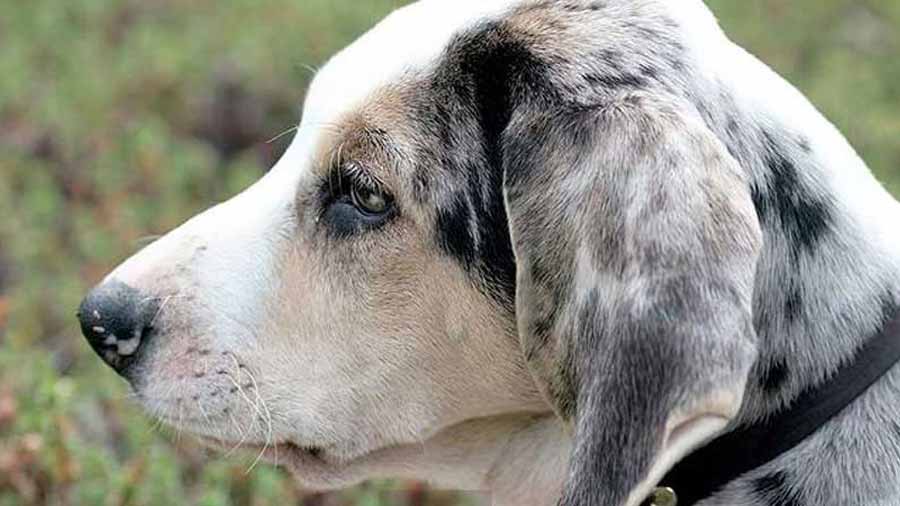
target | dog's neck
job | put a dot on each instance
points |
(828, 278)
(530, 468)
(517, 459)
(830, 271)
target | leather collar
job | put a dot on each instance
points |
(707, 470)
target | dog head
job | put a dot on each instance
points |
(489, 208)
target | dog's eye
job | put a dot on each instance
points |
(355, 202)
(369, 201)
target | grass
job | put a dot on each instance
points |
(121, 118)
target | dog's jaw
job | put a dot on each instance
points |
(519, 460)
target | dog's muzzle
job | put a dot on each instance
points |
(117, 321)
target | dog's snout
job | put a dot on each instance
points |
(117, 321)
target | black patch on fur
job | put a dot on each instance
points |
(774, 491)
(454, 234)
(485, 74)
(503, 75)
(804, 218)
(774, 377)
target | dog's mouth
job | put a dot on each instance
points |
(277, 452)
(282, 453)
(316, 467)
(312, 454)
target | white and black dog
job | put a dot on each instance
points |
(544, 248)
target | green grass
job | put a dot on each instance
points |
(121, 118)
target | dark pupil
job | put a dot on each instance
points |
(368, 200)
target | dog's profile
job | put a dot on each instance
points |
(543, 248)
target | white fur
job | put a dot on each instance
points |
(408, 40)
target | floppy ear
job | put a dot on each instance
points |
(636, 243)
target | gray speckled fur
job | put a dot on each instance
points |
(658, 312)
(659, 216)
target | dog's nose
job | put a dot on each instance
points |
(117, 321)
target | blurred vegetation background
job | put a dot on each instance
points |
(121, 118)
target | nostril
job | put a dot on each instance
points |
(117, 320)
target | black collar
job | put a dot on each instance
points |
(704, 472)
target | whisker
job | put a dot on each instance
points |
(282, 134)
(241, 389)
(268, 419)
(312, 69)
(244, 434)
(243, 439)
(160, 310)
(205, 415)
(178, 421)
(176, 295)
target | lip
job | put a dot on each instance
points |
(317, 468)
(273, 453)
(296, 454)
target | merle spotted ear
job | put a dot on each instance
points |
(636, 243)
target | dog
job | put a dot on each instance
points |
(541, 248)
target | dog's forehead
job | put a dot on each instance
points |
(408, 41)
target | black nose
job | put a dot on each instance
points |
(117, 321)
